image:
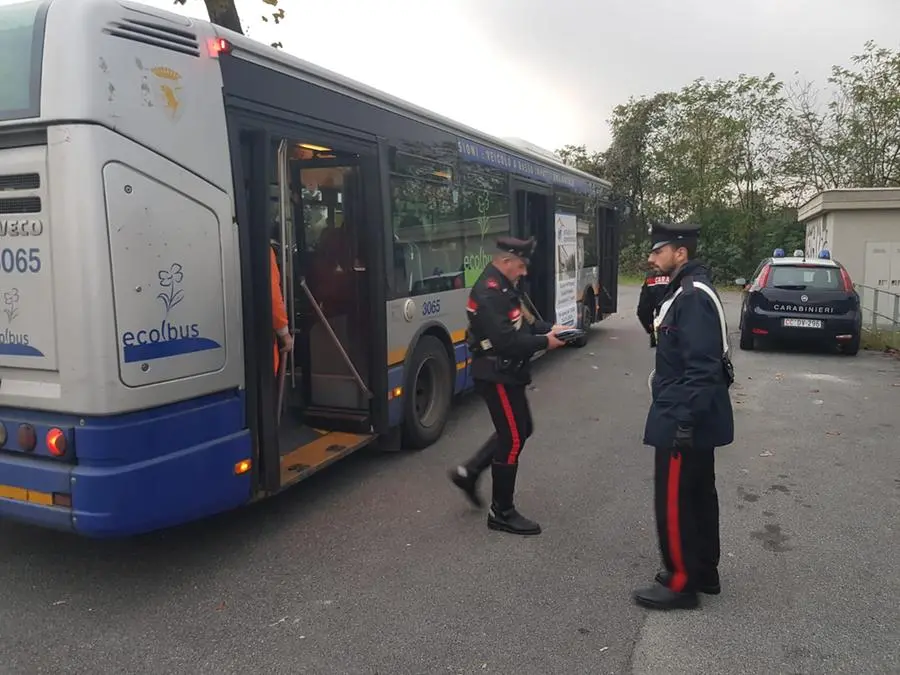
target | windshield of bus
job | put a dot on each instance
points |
(21, 46)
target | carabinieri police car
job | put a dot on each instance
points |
(799, 299)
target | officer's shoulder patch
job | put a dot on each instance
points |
(492, 283)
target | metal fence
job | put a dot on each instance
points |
(880, 314)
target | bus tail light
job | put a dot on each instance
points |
(56, 442)
(26, 437)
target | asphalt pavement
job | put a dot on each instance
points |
(378, 565)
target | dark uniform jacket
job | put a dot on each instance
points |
(689, 385)
(500, 338)
(652, 292)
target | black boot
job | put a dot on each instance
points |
(466, 477)
(503, 515)
(467, 481)
(658, 596)
(708, 583)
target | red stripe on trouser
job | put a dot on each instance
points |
(679, 576)
(511, 423)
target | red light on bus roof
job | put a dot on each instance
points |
(219, 46)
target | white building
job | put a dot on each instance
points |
(861, 228)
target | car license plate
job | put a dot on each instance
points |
(802, 323)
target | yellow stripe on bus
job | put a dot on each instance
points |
(396, 356)
(23, 495)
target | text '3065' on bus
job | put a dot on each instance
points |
(149, 166)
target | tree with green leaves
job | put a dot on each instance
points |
(854, 139)
(635, 127)
(577, 156)
(737, 156)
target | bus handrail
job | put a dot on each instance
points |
(281, 372)
(334, 338)
(531, 308)
(287, 251)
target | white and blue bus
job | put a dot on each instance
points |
(149, 164)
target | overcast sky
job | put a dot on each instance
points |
(551, 71)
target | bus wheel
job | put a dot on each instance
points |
(428, 394)
(585, 326)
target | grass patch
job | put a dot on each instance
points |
(630, 280)
(880, 340)
(633, 280)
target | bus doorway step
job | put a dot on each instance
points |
(326, 448)
(291, 437)
(338, 419)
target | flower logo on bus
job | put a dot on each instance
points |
(169, 279)
(172, 337)
(13, 343)
(11, 300)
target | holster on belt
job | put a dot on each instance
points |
(503, 364)
(484, 350)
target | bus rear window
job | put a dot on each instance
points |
(21, 48)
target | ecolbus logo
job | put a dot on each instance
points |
(171, 338)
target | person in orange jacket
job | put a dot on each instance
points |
(279, 313)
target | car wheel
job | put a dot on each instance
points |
(747, 340)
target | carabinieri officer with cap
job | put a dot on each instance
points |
(502, 344)
(689, 417)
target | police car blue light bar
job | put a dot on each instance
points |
(825, 254)
(778, 253)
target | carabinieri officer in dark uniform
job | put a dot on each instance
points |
(690, 416)
(502, 343)
(652, 292)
